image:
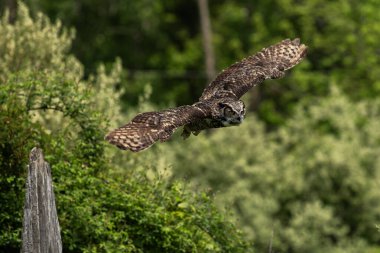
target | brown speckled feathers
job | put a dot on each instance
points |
(270, 63)
(149, 127)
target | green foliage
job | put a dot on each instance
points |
(45, 102)
(342, 39)
(308, 186)
(25, 94)
(161, 43)
(36, 45)
(138, 215)
(313, 183)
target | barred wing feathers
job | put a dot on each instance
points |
(270, 62)
(147, 128)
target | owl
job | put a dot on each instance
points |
(220, 104)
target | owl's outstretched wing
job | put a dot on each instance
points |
(269, 63)
(147, 128)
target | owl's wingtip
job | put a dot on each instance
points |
(296, 41)
(304, 49)
(129, 137)
(107, 137)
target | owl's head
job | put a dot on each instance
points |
(232, 112)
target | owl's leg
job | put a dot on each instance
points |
(194, 129)
(186, 132)
(165, 135)
(196, 132)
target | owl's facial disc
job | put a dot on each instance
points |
(232, 114)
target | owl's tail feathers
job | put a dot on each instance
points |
(136, 137)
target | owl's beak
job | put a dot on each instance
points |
(238, 121)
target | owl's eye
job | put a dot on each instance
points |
(228, 112)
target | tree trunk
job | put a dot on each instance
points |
(41, 232)
(11, 5)
(207, 39)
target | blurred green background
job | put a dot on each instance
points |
(302, 174)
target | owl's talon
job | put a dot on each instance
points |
(185, 134)
(196, 133)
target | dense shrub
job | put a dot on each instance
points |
(313, 183)
(45, 102)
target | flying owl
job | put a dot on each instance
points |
(219, 105)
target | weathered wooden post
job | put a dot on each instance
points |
(41, 232)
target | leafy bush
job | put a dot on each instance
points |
(138, 215)
(45, 102)
(313, 183)
(160, 43)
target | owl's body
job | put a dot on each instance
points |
(225, 112)
(220, 104)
